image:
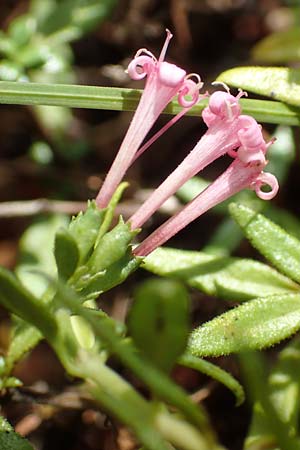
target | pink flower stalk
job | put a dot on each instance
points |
(164, 81)
(225, 128)
(245, 171)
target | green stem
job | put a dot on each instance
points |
(157, 381)
(121, 99)
(215, 372)
(117, 396)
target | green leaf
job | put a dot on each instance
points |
(36, 253)
(158, 321)
(281, 47)
(66, 253)
(280, 248)
(111, 247)
(110, 263)
(253, 325)
(283, 391)
(69, 19)
(23, 339)
(216, 373)
(18, 300)
(110, 210)
(121, 99)
(9, 440)
(284, 382)
(21, 29)
(92, 286)
(232, 278)
(284, 219)
(267, 431)
(91, 221)
(279, 83)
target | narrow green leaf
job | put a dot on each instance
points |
(279, 83)
(214, 372)
(253, 325)
(158, 321)
(232, 278)
(66, 253)
(121, 99)
(280, 248)
(278, 48)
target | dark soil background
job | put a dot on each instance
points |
(209, 37)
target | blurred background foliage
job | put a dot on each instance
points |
(62, 155)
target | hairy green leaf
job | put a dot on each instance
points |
(158, 321)
(232, 278)
(280, 248)
(253, 325)
(279, 83)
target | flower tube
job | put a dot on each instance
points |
(238, 176)
(164, 81)
(222, 117)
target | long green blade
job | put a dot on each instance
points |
(120, 99)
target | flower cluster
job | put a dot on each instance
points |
(228, 131)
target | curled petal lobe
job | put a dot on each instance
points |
(140, 67)
(189, 88)
(265, 179)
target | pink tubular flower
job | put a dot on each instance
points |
(225, 129)
(164, 81)
(245, 171)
